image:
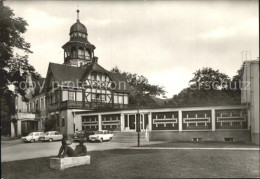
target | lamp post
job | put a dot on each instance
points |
(138, 125)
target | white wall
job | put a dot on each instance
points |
(250, 95)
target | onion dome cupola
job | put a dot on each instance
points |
(78, 50)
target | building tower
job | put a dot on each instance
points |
(78, 51)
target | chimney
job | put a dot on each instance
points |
(95, 60)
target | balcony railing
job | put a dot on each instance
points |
(79, 105)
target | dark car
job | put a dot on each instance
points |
(84, 134)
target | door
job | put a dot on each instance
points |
(131, 122)
(37, 135)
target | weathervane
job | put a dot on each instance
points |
(77, 15)
(77, 11)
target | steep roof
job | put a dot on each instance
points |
(98, 68)
(123, 85)
(63, 73)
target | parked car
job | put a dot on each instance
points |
(32, 137)
(84, 134)
(100, 136)
(51, 136)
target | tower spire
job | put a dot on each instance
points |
(77, 15)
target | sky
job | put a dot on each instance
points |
(165, 41)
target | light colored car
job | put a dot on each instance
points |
(33, 137)
(100, 136)
(51, 136)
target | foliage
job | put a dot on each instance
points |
(210, 87)
(13, 68)
(51, 123)
(142, 92)
(208, 79)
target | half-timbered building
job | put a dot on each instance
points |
(82, 95)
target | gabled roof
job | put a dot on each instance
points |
(120, 80)
(93, 67)
(64, 73)
(98, 68)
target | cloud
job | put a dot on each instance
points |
(43, 47)
(174, 80)
(39, 19)
(248, 26)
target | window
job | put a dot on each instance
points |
(87, 55)
(93, 96)
(93, 77)
(103, 78)
(103, 97)
(125, 99)
(36, 134)
(52, 99)
(98, 78)
(74, 52)
(63, 122)
(57, 133)
(72, 96)
(79, 96)
(64, 95)
(42, 104)
(120, 99)
(115, 98)
(98, 96)
(80, 53)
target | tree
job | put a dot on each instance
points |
(13, 68)
(209, 87)
(207, 79)
(51, 123)
(234, 89)
(142, 92)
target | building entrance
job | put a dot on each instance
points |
(130, 122)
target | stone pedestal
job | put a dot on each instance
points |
(67, 162)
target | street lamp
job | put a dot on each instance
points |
(138, 125)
